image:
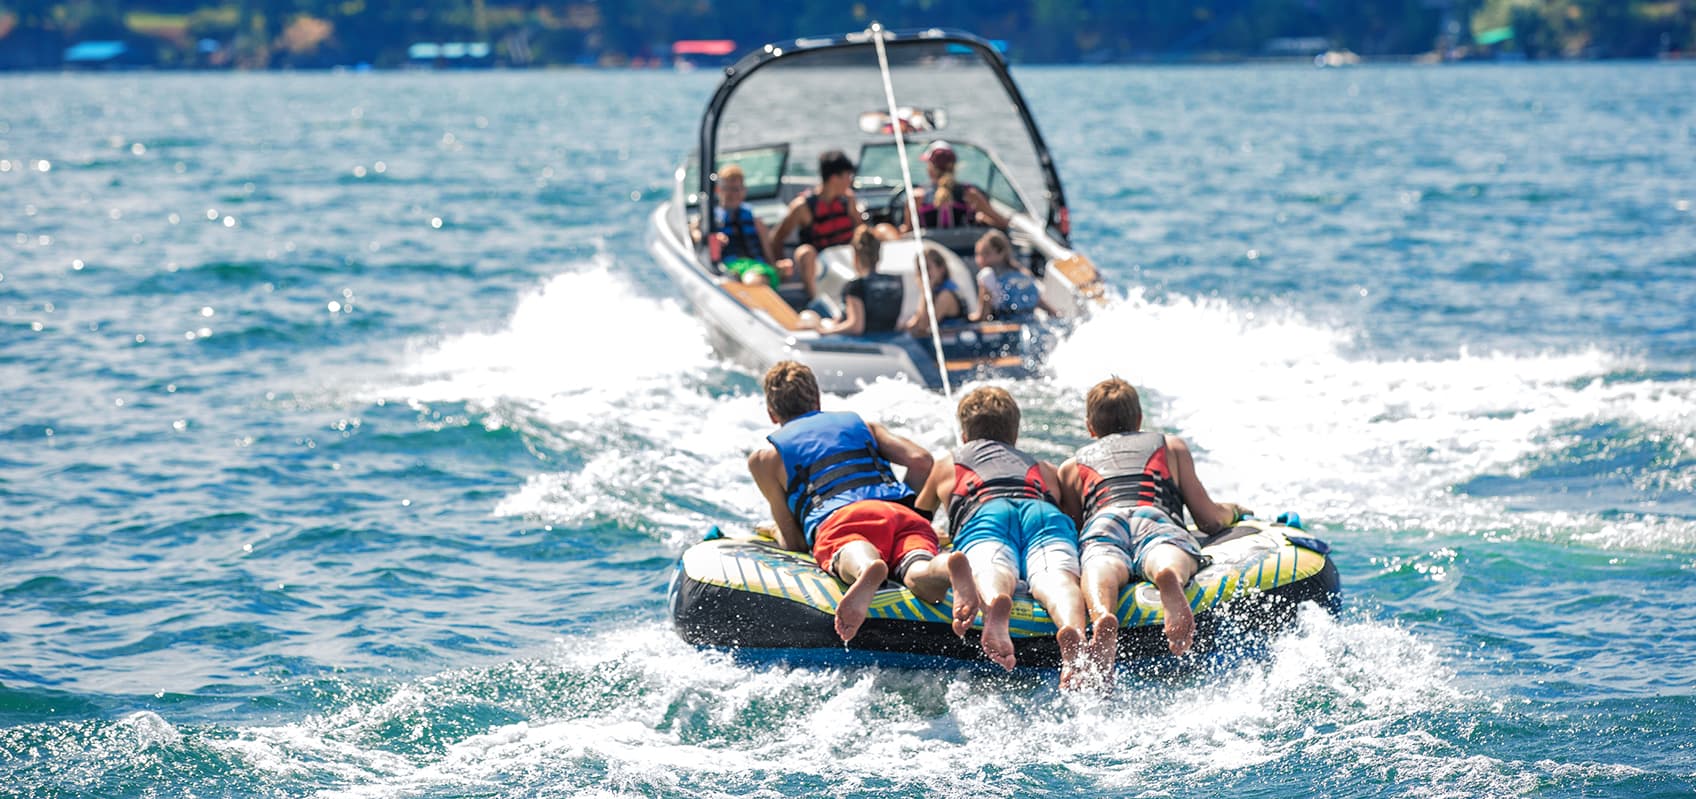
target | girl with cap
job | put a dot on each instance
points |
(947, 202)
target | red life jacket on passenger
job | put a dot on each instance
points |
(833, 221)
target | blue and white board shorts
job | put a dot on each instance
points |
(1126, 534)
(1025, 536)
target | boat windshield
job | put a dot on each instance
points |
(818, 100)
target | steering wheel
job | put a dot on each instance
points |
(895, 208)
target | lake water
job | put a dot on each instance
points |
(350, 437)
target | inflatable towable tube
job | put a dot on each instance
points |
(749, 594)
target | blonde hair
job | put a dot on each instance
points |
(998, 242)
(731, 171)
(945, 186)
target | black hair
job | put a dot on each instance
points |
(833, 163)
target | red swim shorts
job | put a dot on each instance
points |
(901, 535)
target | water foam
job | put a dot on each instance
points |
(637, 711)
(1285, 417)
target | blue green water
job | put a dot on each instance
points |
(347, 439)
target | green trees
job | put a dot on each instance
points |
(308, 33)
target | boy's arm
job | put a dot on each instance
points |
(764, 234)
(791, 220)
(1051, 479)
(938, 485)
(900, 449)
(1071, 491)
(1210, 517)
(766, 466)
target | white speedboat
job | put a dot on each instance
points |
(779, 107)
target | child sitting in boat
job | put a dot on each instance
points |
(829, 481)
(1004, 508)
(740, 235)
(871, 302)
(945, 296)
(1005, 290)
(1128, 490)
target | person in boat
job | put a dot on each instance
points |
(829, 480)
(826, 215)
(871, 302)
(944, 296)
(1128, 490)
(946, 202)
(1005, 289)
(739, 233)
(1004, 510)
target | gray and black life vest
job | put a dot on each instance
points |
(985, 470)
(1128, 469)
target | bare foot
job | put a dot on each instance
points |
(851, 611)
(997, 643)
(1104, 644)
(966, 601)
(1180, 621)
(1071, 641)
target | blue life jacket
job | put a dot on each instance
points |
(830, 461)
(744, 236)
(1018, 297)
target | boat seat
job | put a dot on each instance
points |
(761, 297)
(897, 258)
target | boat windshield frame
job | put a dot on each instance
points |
(957, 43)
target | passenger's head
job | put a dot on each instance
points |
(867, 248)
(834, 165)
(936, 265)
(939, 156)
(1112, 406)
(989, 413)
(791, 391)
(732, 186)
(994, 249)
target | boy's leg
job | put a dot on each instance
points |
(1104, 578)
(928, 574)
(855, 544)
(931, 579)
(807, 263)
(1106, 561)
(1051, 567)
(859, 564)
(985, 540)
(1170, 568)
(994, 572)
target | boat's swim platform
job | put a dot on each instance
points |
(748, 594)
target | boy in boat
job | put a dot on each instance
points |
(1004, 508)
(740, 234)
(1128, 490)
(826, 215)
(828, 480)
(871, 302)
